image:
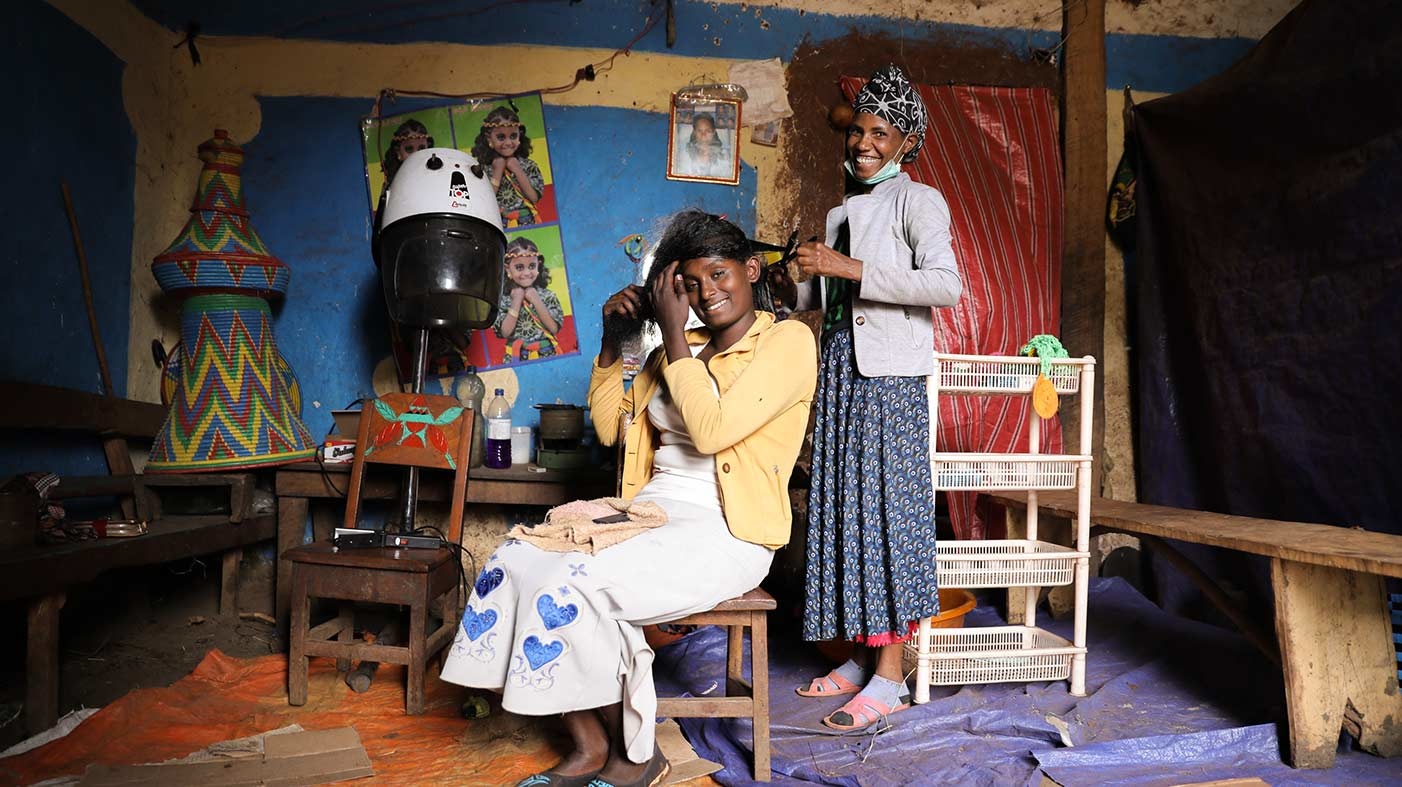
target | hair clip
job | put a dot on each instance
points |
(634, 246)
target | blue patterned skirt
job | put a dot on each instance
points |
(871, 506)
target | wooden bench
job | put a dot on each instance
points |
(1332, 629)
(41, 574)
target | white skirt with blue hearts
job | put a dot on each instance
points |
(562, 631)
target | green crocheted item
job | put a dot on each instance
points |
(1046, 347)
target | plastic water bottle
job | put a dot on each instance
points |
(470, 391)
(499, 432)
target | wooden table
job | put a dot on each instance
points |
(43, 574)
(1332, 629)
(297, 484)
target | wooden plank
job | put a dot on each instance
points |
(513, 486)
(1258, 635)
(38, 570)
(119, 463)
(710, 707)
(1084, 132)
(759, 670)
(1301, 542)
(41, 665)
(33, 406)
(291, 527)
(1336, 652)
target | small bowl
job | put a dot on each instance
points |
(955, 603)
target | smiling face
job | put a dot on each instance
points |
(719, 290)
(505, 140)
(410, 146)
(523, 271)
(871, 142)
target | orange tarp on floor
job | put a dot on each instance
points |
(228, 698)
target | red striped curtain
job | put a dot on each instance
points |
(994, 155)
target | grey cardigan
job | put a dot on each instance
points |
(900, 232)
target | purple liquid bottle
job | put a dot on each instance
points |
(498, 432)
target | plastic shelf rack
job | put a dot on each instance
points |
(1022, 653)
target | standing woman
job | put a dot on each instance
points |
(887, 259)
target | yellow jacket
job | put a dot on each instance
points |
(754, 430)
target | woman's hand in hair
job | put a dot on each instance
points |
(672, 308)
(625, 305)
(819, 259)
(669, 301)
(627, 302)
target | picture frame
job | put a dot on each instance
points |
(766, 134)
(703, 141)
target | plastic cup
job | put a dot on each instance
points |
(521, 441)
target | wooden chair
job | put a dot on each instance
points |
(418, 430)
(739, 698)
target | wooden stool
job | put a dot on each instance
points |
(415, 578)
(740, 698)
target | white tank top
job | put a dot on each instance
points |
(676, 454)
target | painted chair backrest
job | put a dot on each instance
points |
(414, 430)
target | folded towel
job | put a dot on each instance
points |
(571, 527)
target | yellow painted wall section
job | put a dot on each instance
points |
(1194, 18)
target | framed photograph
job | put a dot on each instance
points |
(766, 134)
(704, 140)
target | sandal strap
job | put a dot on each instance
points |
(831, 683)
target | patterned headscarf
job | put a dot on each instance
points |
(890, 96)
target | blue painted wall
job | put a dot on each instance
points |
(67, 123)
(304, 187)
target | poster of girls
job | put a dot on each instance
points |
(506, 136)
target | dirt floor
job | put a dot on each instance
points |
(138, 628)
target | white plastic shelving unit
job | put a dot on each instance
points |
(1010, 654)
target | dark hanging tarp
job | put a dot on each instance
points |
(1269, 288)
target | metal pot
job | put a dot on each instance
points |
(561, 425)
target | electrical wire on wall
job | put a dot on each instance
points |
(587, 73)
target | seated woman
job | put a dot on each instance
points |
(718, 416)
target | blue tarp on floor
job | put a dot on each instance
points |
(1169, 701)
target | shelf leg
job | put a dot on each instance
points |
(922, 662)
(1078, 661)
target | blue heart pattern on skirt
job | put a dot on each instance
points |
(477, 623)
(488, 581)
(538, 653)
(555, 616)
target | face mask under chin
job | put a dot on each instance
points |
(888, 170)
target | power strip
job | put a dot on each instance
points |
(412, 542)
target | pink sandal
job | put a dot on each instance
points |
(830, 685)
(861, 712)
